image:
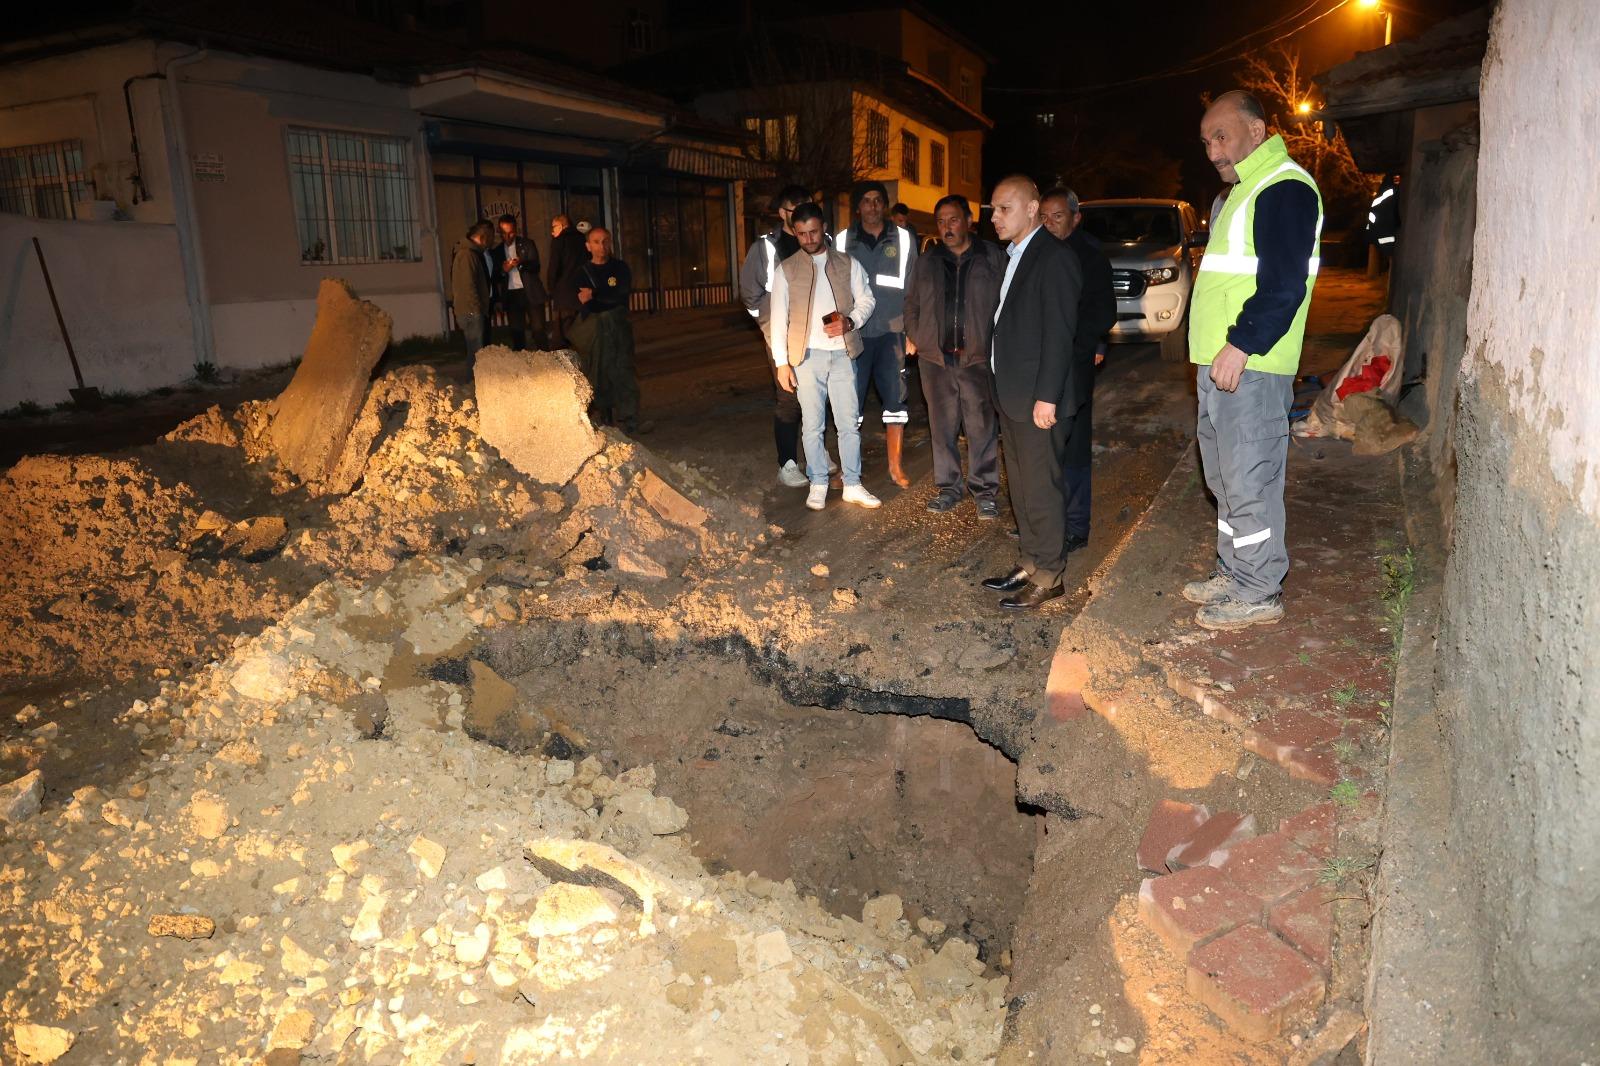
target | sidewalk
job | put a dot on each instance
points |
(1243, 828)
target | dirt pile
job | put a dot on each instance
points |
(342, 874)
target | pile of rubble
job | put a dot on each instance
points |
(326, 867)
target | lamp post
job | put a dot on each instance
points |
(1388, 18)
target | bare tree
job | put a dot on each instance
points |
(1276, 77)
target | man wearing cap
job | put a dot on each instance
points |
(886, 253)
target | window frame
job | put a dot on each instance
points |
(399, 187)
(910, 157)
(937, 167)
(877, 139)
(73, 185)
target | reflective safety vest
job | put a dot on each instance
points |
(1383, 217)
(896, 280)
(1227, 275)
(770, 247)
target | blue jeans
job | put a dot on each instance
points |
(829, 377)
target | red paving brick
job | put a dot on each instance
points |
(1192, 906)
(1306, 921)
(1171, 826)
(1270, 868)
(1219, 831)
(1254, 982)
(1313, 828)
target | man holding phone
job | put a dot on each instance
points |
(517, 267)
(820, 300)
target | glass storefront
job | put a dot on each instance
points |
(672, 231)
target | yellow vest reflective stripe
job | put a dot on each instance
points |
(771, 248)
(896, 280)
(1227, 275)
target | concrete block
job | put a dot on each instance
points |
(533, 409)
(312, 417)
(669, 503)
(1254, 982)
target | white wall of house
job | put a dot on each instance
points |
(121, 290)
(236, 112)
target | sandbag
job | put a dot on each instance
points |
(1329, 416)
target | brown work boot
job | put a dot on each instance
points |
(896, 436)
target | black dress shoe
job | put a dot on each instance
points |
(1032, 596)
(1075, 542)
(1010, 583)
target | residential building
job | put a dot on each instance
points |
(192, 173)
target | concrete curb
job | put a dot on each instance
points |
(1420, 991)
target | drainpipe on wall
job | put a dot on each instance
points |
(185, 215)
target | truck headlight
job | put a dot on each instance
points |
(1160, 275)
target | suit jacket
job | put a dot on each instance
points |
(1097, 310)
(1033, 336)
(566, 252)
(528, 252)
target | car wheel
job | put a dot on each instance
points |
(1175, 345)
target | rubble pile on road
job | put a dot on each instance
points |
(325, 866)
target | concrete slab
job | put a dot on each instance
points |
(533, 408)
(312, 417)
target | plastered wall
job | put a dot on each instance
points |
(1519, 662)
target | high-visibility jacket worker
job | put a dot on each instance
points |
(1247, 322)
(887, 253)
(755, 289)
(1383, 217)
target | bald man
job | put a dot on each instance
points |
(598, 292)
(1035, 389)
(1247, 321)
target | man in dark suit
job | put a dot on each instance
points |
(522, 294)
(1097, 313)
(567, 253)
(1036, 389)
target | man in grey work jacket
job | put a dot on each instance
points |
(886, 253)
(755, 288)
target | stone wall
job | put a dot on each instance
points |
(1519, 650)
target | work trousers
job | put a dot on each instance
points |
(1076, 473)
(1034, 460)
(960, 398)
(524, 316)
(560, 323)
(882, 363)
(1244, 447)
(785, 420)
(604, 341)
(825, 378)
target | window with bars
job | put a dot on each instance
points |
(877, 139)
(354, 197)
(935, 163)
(777, 136)
(44, 180)
(910, 156)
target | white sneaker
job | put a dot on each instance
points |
(858, 494)
(791, 475)
(817, 498)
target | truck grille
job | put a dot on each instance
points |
(1127, 284)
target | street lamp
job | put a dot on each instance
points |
(1304, 107)
(1388, 18)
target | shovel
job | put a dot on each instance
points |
(85, 396)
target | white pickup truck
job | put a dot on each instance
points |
(1154, 247)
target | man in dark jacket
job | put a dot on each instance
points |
(1035, 389)
(950, 305)
(566, 252)
(601, 332)
(469, 287)
(521, 292)
(1097, 313)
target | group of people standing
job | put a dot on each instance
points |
(991, 330)
(1007, 346)
(588, 286)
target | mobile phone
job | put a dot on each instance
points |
(831, 317)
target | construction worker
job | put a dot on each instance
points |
(887, 253)
(1247, 322)
(755, 287)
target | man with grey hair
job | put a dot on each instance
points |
(1247, 321)
(1097, 313)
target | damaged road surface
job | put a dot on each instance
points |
(473, 739)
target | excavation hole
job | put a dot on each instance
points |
(848, 805)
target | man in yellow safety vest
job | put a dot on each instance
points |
(1247, 321)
